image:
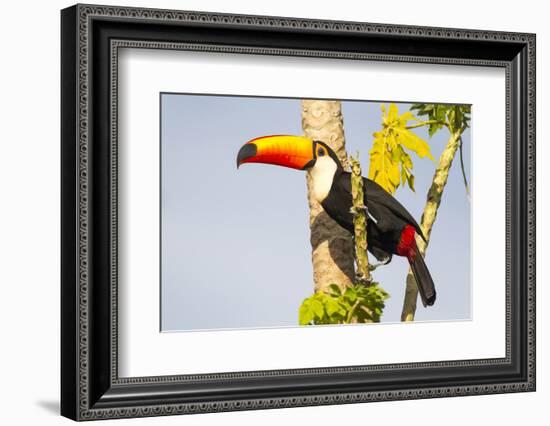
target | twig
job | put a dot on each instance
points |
(424, 123)
(463, 171)
(352, 312)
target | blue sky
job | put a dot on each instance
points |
(235, 244)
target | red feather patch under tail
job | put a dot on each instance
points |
(407, 247)
(407, 243)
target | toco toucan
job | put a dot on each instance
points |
(390, 227)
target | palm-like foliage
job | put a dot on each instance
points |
(390, 162)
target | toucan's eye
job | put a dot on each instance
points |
(320, 152)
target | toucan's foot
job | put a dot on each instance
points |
(355, 210)
(359, 279)
(373, 266)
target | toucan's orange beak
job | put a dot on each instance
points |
(295, 152)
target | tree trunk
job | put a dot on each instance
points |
(428, 218)
(332, 246)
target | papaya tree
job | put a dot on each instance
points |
(332, 246)
(456, 119)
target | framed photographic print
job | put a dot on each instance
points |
(263, 212)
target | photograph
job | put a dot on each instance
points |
(287, 212)
(274, 208)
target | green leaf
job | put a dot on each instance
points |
(334, 290)
(305, 314)
(350, 294)
(317, 308)
(334, 308)
(434, 128)
(410, 181)
(326, 308)
(455, 117)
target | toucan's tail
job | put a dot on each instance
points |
(423, 278)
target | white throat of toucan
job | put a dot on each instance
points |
(322, 175)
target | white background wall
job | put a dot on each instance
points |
(29, 212)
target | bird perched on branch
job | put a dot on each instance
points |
(391, 229)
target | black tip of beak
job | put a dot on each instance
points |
(247, 151)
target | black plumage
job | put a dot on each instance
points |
(387, 216)
(390, 227)
(386, 222)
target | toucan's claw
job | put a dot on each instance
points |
(360, 279)
(355, 210)
(373, 266)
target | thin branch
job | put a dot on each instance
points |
(425, 123)
(351, 312)
(463, 170)
(429, 215)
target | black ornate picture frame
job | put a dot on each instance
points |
(91, 387)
